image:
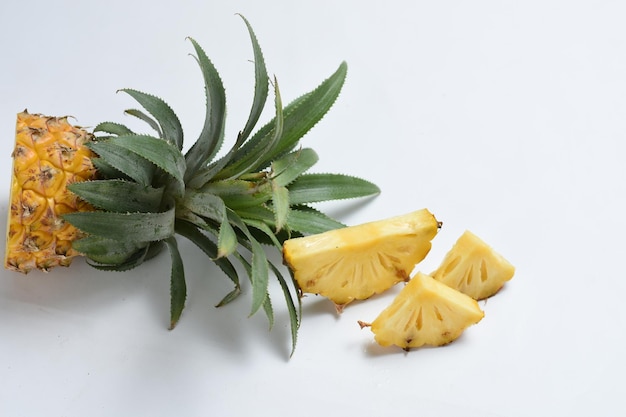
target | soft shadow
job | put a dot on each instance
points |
(316, 305)
(342, 209)
(374, 350)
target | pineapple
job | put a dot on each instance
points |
(356, 262)
(49, 155)
(258, 192)
(425, 312)
(474, 268)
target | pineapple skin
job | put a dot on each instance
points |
(474, 268)
(425, 312)
(49, 154)
(357, 262)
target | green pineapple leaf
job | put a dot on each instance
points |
(136, 259)
(299, 117)
(125, 227)
(265, 229)
(313, 188)
(308, 221)
(212, 135)
(205, 244)
(119, 195)
(117, 129)
(265, 145)
(259, 270)
(212, 207)
(231, 296)
(206, 174)
(112, 159)
(178, 286)
(105, 251)
(261, 86)
(280, 204)
(226, 239)
(160, 153)
(239, 193)
(145, 118)
(294, 315)
(170, 126)
(286, 169)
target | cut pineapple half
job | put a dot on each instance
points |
(474, 268)
(425, 312)
(356, 262)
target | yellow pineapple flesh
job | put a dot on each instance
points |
(474, 268)
(425, 312)
(356, 262)
(49, 154)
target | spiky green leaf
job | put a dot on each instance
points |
(265, 229)
(106, 251)
(259, 272)
(308, 221)
(286, 169)
(112, 158)
(145, 118)
(240, 193)
(211, 206)
(269, 311)
(126, 227)
(212, 134)
(313, 188)
(159, 152)
(117, 129)
(206, 174)
(264, 147)
(294, 317)
(171, 128)
(226, 239)
(299, 117)
(203, 242)
(178, 286)
(280, 204)
(136, 259)
(231, 296)
(261, 84)
(119, 195)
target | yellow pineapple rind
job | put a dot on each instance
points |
(49, 155)
(474, 268)
(425, 312)
(357, 262)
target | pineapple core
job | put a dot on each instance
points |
(356, 262)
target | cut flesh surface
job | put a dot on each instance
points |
(356, 262)
(425, 312)
(474, 268)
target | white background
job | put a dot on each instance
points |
(505, 118)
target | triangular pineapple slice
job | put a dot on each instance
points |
(425, 312)
(474, 268)
(356, 262)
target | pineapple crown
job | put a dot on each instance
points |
(258, 193)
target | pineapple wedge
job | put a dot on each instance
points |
(425, 312)
(356, 262)
(474, 268)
